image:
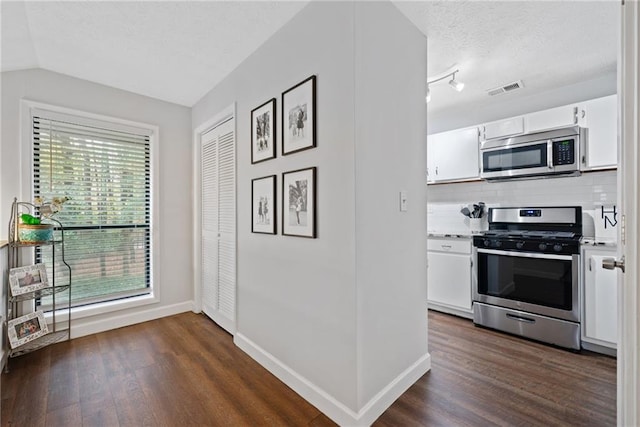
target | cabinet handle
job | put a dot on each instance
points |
(575, 115)
(590, 262)
(446, 246)
(436, 170)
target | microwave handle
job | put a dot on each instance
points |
(550, 154)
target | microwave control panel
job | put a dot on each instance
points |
(564, 152)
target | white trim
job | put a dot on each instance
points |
(28, 107)
(105, 307)
(89, 327)
(629, 200)
(326, 403)
(226, 114)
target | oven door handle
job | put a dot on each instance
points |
(525, 254)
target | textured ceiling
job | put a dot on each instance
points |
(178, 51)
(546, 44)
(175, 51)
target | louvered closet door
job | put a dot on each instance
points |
(219, 225)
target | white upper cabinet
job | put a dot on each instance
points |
(453, 155)
(602, 140)
(502, 128)
(567, 115)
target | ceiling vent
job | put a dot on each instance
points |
(506, 88)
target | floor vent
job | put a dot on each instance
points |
(506, 88)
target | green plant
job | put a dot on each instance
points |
(46, 209)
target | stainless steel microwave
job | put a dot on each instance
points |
(539, 154)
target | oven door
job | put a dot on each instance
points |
(545, 284)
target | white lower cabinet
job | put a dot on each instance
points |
(449, 275)
(600, 319)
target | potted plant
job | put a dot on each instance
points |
(38, 228)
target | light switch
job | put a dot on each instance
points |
(403, 201)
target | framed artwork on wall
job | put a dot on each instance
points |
(299, 203)
(24, 329)
(27, 279)
(299, 117)
(263, 205)
(263, 132)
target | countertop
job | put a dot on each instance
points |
(459, 235)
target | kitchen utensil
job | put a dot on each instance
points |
(476, 211)
(466, 212)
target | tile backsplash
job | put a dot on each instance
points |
(590, 190)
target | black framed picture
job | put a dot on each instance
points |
(263, 205)
(263, 132)
(299, 203)
(299, 117)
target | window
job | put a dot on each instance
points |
(106, 171)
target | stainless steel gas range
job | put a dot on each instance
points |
(526, 276)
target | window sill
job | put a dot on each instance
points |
(103, 308)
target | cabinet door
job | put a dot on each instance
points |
(454, 155)
(502, 128)
(431, 158)
(600, 299)
(449, 280)
(602, 140)
(567, 115)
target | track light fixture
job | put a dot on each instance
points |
(456, 84)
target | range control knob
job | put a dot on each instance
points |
(487, 242)
(557, 247)
(542, 246)
(520, 245)
(497, 243)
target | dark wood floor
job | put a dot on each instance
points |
(184, 370)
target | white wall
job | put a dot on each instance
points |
(309, 309)
(512, 105)
(296, 296)
(4, 267)
(174, 277)
(391, 270)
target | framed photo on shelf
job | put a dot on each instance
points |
(24, 329)
(27, 279)
(263, 132)
(299, 203)
(299, 117)
(263, 205)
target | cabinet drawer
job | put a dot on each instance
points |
(461, 246)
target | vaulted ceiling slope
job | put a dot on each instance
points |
(173, 51)
(179, 50)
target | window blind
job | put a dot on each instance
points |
(107, 223)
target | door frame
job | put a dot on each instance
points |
(226, 114)
(628, 375)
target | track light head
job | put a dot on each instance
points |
(456, 84)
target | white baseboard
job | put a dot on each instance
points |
(87, 326)
(326, 403)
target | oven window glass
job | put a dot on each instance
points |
(531, 156)
(545, 282)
